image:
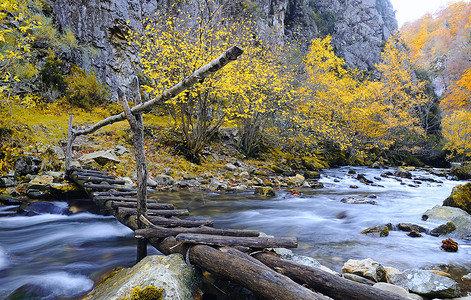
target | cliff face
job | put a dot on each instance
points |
(358, 27)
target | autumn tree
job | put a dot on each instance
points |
(457, 134)
(172, 46)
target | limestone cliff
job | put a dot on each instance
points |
(358, 27)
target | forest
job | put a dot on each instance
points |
(303, 105)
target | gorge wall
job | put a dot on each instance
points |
(358, 28)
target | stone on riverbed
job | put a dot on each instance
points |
(169, 273)
(428, 284)
(458, 216)
(392, 288)
(366, 268)
(377, 231)
(353, 200)
(443, 229)
(265, 191)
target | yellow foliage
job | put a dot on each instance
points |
(457, 133)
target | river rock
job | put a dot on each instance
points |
(428, 284)
(353, 200)
(265, 191)
(367, 268)
(363, 179)
(403, 173)
(163, 179)
(458, 216)
(409, 227)
(377, 231)
(169, 273)
(297, 180)
(392, 288)
(443, 229)
(312, 175)
(101, 157)
(460, 197)
(462, 171)
(396, 277)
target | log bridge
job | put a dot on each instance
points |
(237, 255)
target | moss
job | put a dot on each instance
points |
(460, 197)
(148, 293)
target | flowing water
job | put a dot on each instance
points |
(63, 254)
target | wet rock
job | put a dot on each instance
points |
(357, 278)
(386, 174)
(366, 268)
(38, 208)
(467, 277)
(414, 234)
(169, 273)
(163, 179)
(444, 213)
(312, 175)
(363, 179)
(403, 173)
(265, 191)
(449, 245)
(462, 171)
(353, 200)
(409, 227)
(351, 171)
(101, 157)
(317, 185)
(443, 229)
(354, 186)
(460, 197)
(341, 215)
(30, 291)
(428, 284)
(6, 182)
(377, 231)
(392, 288)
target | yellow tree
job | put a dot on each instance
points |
(338, 106)
(171, 47)
(457, 133)
(402, 92)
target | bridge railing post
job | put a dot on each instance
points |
(70, 141)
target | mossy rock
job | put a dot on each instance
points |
(463, 171)
(381, 231)
(443, 229)
(460, 197)
(148, 293)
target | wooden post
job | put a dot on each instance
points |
(70, 141)
(137, 128)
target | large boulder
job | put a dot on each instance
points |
(366, 268)
(101, 157)
(429, 284)
(460, 197)
(169, 273)
(462, 172)
(459, 217)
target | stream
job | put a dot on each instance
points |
(60, 255)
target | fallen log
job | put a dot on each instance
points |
(93, 186)
(116, 204)
(252, 242)
(94, 179)
(152, 212)
(328, 284)
(93, 174)
(241, 269)
(162, 232)
(121, 199)
(175, 222)
(115, 193)
(73, 169)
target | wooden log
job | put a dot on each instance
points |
(324, 282)
(87, 171)
(259, 279)
(76, 173)
(162, 232)
(252, 242)
(153, 212)
(94, 186)
(229, 55)
(115, 193)
(70, 140)
(98, 180)
(116, 204)
(121, 199)
(175, 222)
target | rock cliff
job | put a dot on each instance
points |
(358, 27)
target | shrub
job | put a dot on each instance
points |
(84, 90)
